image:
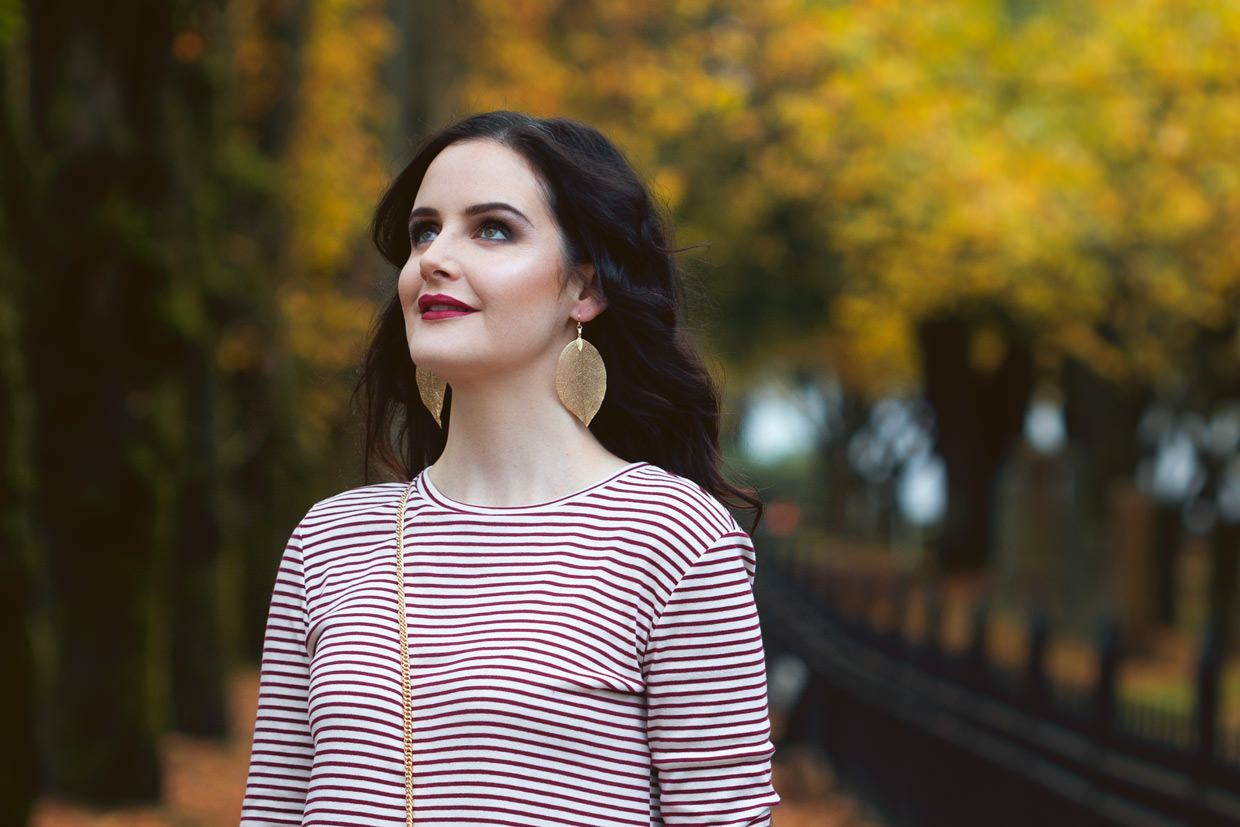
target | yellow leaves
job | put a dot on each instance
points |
(261, 62)
(877, 347)
(940, 154)
(691, 8)
(1104, 152)
(533, 12)
(1171, 207)
(324, 332)
(669, 185)
(333, 163)
(1172, 140)
(1041, 292)
(792, 54)
(582, 47)
(325, 328)
(328, 177)
(1080, 339)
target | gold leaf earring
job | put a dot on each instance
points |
(431, 387)
(581, 378)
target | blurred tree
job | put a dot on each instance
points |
(264, 466)
(300, 169)
(185, 193)
(100, 349)
(1054, 177)
(18, 742)
(18, 745)
(190, 591)
(259, 453)
(427, 56)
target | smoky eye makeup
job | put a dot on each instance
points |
(422, 231)
(424, 223)
(422, 219)
(495, 229)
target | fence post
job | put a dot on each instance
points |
(1037, 694)
(932, 641)
(895, 635)
(975, 661)
(829, 593)
(862, 599)
(1209, 667)
(1109, 651)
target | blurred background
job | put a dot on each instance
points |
(970, 276)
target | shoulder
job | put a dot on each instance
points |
(650, 493)
(350, 514)
(689, 541)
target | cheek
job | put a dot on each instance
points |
(407, 284)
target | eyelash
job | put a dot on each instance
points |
(495, 224)
(416, 230)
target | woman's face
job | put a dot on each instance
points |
(486, 291)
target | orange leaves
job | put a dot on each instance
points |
(188, 46)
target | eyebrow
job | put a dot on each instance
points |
(474, 209)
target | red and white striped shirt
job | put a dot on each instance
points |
(595, 660)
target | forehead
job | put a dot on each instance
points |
(479, 172)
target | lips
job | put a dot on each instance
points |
(437, 306)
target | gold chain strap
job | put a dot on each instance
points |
(406, 691)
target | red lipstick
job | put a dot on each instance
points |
(438, 306)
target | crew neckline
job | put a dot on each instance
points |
(443, 500)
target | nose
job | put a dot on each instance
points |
(436, 259)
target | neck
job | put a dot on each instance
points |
(514, 445)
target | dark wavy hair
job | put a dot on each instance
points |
(661, 405)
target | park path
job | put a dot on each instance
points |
(205, 780)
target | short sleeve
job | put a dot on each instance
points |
(708, 729)
(282, 751)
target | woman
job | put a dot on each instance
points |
(552, 623)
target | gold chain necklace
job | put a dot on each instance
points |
(406, 691)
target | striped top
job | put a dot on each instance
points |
(595, 660)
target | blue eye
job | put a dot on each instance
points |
(494, 231)
(423, 234)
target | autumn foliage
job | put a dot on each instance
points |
(861, 167)
(970, 194)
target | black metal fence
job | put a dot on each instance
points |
(927, 736)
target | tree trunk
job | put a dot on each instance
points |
(978, 414)
(98, 345)
(262, 488)
(199, 697)
(422, 67)
(1225, 554)
(19, 553)
(18, 747)
(96, 500)
(1102, 419)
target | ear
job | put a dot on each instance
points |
(589, 300)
